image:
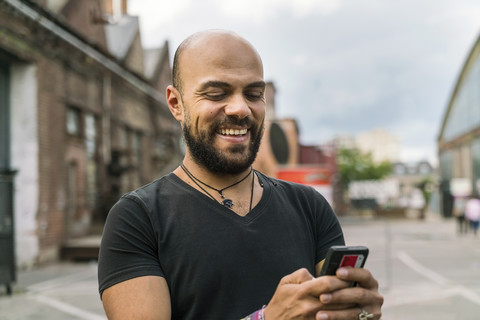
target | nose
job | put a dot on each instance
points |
(238, 106)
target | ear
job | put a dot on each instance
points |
(174, 101)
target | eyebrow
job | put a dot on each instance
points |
(221, 84)
(213, 84)
(258, 84)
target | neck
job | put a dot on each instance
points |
(243, 191)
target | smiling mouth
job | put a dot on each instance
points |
(232, 132)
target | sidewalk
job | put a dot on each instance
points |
(59, 291)
(425, 271)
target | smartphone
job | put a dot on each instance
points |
(344, 256)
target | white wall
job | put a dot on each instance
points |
(24, 124)
(381, 144)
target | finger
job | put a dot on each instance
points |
(324, 284)
(300, 276)
(353, 313)
(335, 304)
(353, 296)
(362, 276)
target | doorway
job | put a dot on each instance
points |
(7, 258)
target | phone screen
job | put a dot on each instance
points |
(354, 261)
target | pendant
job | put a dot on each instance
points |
(227, 203)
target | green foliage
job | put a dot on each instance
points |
(426, 185)
(355, 165)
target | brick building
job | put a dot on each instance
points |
(83, 118)
(280, 145)
(282, 155)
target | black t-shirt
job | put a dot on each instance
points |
(218, 265)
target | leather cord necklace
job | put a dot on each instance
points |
(228, 203)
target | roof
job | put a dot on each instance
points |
(463, 73)
(151, 59)
(121, 34)
(417, 168)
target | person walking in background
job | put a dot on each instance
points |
(472, 213)
(459, 204)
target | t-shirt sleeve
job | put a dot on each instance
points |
(129, 246)
(328, 230)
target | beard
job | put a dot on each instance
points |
(235, 159)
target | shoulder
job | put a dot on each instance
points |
(297, 189)
(308, 203)
(146, 195)
(300, 196)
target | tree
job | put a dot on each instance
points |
(354, 165)
(426, 185)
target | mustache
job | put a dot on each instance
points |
(234, 121)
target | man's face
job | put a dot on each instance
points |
(236, 158)
(224, 104)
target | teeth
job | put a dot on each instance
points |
(233, 132)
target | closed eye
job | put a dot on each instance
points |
(254, 96)
(216, 96)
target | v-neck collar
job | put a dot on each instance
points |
(219, 208)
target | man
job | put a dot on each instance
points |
(216, 239)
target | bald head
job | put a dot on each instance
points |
(204, 46)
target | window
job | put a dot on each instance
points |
(91, 164)
(125, 179)
(446, 164)
(475, 147)
(465, 110)
(73, 121)
(137, 158)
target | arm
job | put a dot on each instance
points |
(131, 282)
(138, 298)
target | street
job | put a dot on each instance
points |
(425, 271)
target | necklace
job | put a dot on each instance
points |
(228, 203)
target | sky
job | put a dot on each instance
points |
(341, 67)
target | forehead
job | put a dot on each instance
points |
(222, 57)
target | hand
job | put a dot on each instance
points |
(297, 295)
(364, 296)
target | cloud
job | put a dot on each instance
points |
(342, 66)
(415, 154)
(262, 10)
(154, 15)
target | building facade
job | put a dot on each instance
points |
(82, 122)
(381, 144)
(459, 138)
(280, 145)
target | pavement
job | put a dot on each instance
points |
(425, 271)
(60, 291)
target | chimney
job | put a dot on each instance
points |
(115, 8)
